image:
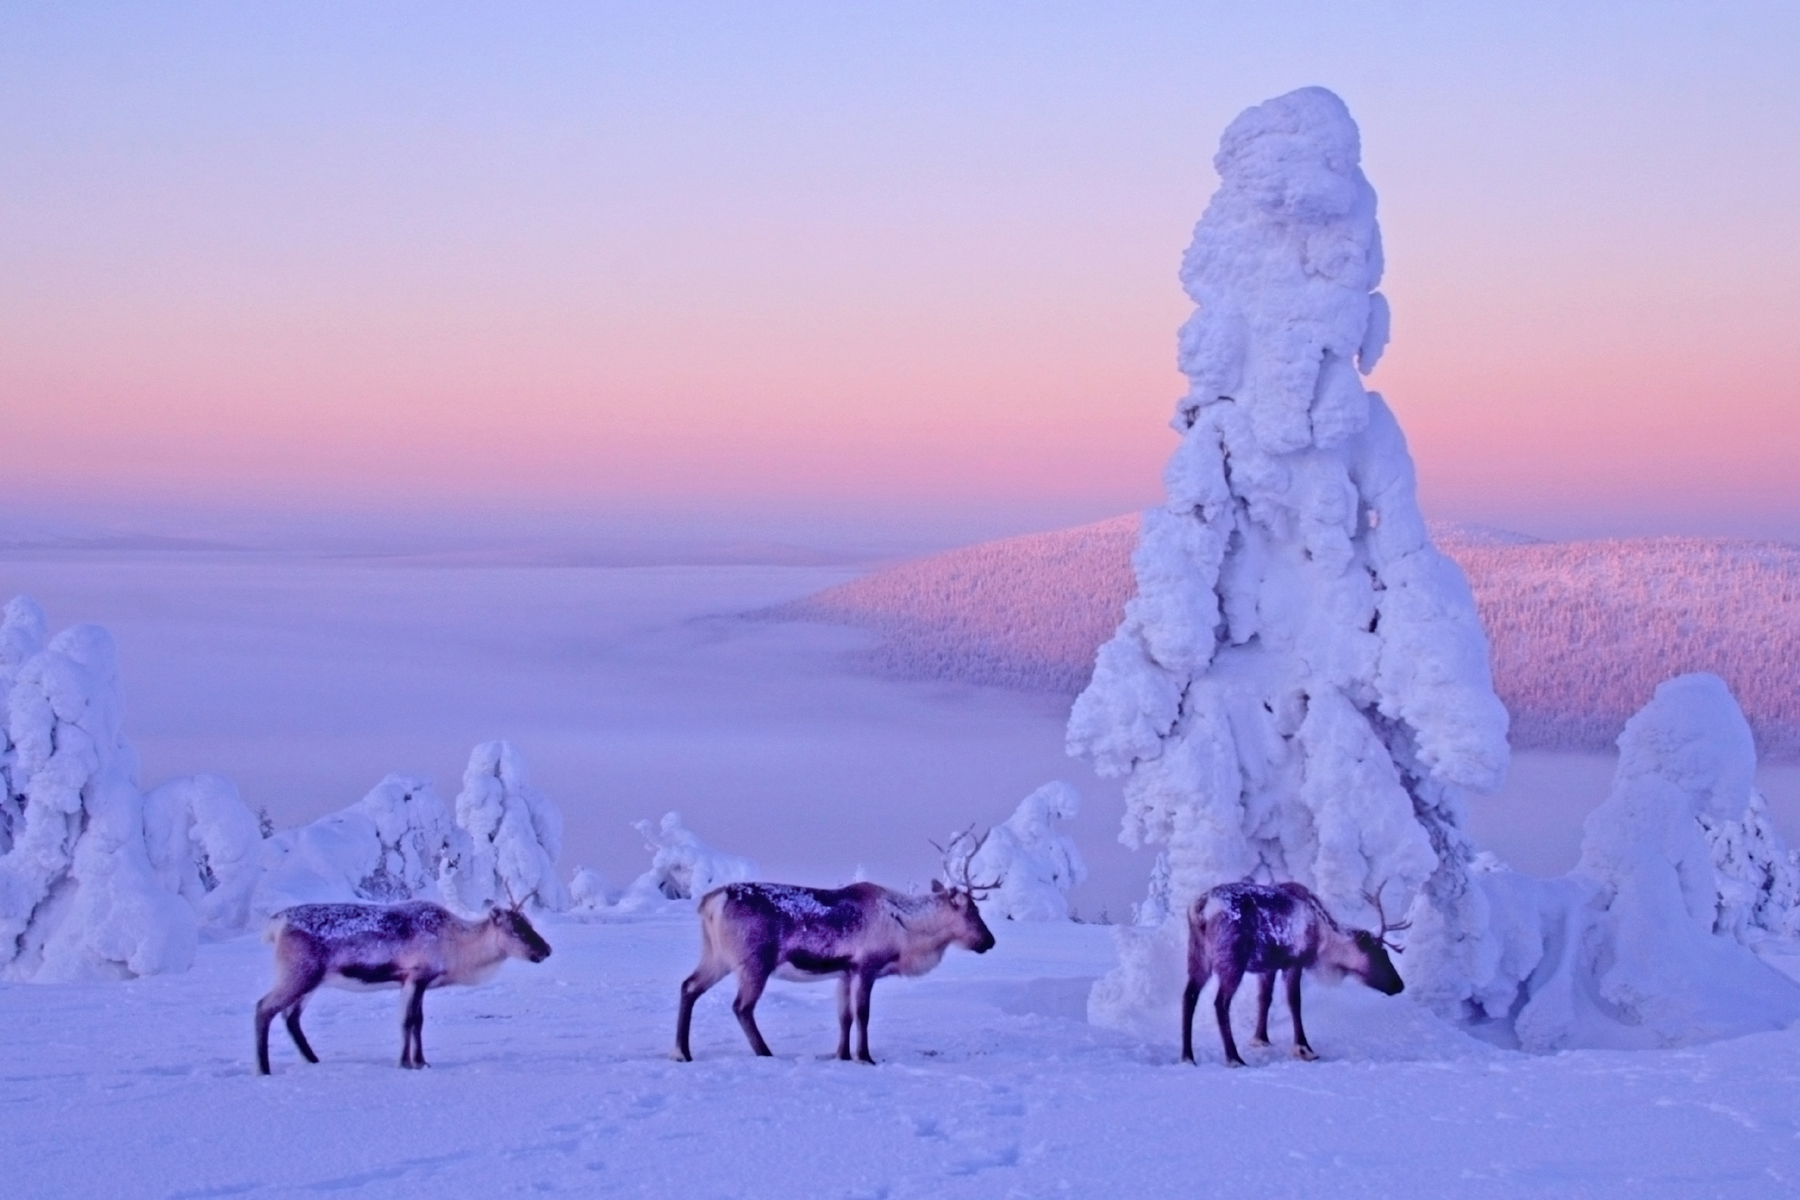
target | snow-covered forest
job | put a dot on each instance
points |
(1580, 632)
(1281, 674)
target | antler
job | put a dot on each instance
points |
(957, 861)
(1387, 927)
(518, 905)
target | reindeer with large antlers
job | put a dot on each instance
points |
(1261, 929)
(856, 934)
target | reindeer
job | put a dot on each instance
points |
(857, 933)
(414, 946)
(1259, 929)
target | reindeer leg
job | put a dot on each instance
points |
(287, 993)
(1265, 995)
(292, 1018)
(1229, 978)
(752, 979)
(1301, 1049)
(692, 988)
(865, 987)
(412, 1025)
(844, 1017)
(1199, 970)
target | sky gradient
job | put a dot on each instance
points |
(892, 259)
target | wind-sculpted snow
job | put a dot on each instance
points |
(1643, 943)
(1580, 633)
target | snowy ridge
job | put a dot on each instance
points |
(1581, 632)
(1025, 612)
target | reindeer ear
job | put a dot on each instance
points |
(937, 887)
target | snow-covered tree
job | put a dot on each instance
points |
(682, 867)
(1032, 864)
(205, 845)
(1758, 876)
(1300, 687)
(515, 831)
(1638, 946)
(396, 843)
(78, 897)
(21, 638)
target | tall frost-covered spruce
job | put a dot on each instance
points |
(1300, 688)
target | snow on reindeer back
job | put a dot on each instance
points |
(1300, 686)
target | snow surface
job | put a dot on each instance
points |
(556, 1078)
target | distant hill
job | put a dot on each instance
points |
(1582, 632)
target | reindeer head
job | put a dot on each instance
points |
(522, 941)
(1380, 973)
(959, 894)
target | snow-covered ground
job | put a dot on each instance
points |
(557, 1078)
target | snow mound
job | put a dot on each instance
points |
(682, 867)
(1580, 633)
(1031, 865)
(396, 843)
(1643, 944)
(515, 831)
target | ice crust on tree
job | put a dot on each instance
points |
(396, 843)
(1300, 687)
(514, 830)
(682, 867)
(1033, 865)
(79, 899)
(1643, 944)
(205, 845)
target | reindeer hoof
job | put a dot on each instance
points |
(1259, 1040)
(1234, 1062)
(682, 1056)
(1305, 1053)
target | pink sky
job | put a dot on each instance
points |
(793, 258)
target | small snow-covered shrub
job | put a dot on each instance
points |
(1758, 876)
(396, 843)
(1032, 865)
(682, 867)
(79, 899)
(588, 892)
(205, 845)
(515, 834)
